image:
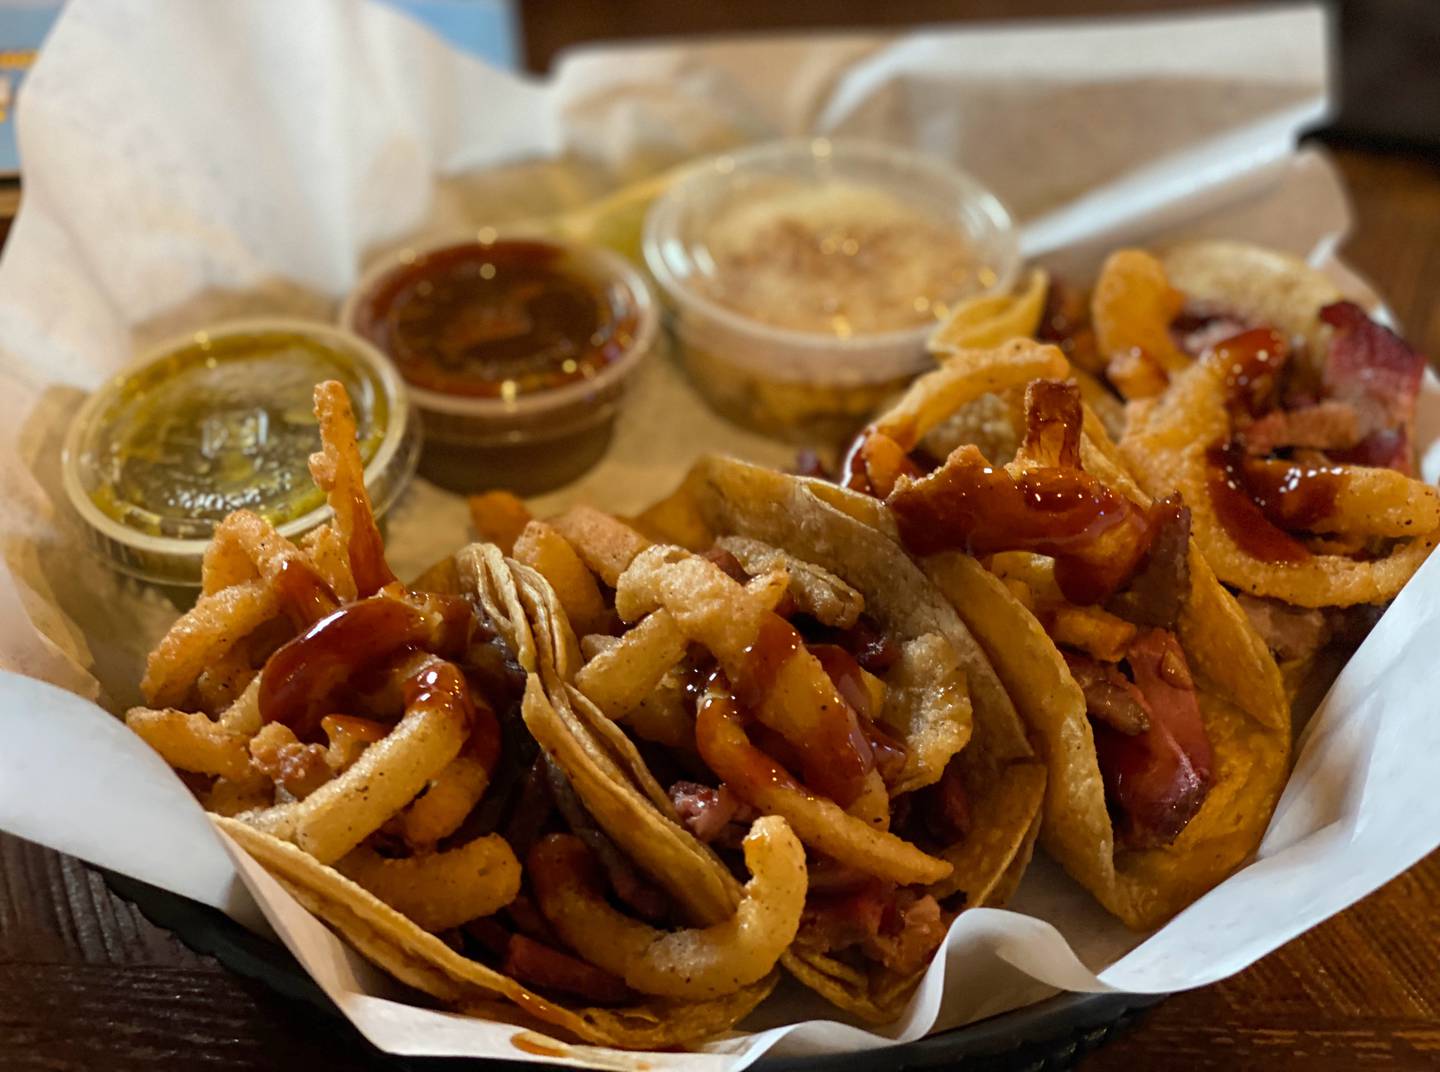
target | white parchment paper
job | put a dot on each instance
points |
(187, 161)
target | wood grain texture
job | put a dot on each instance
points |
(86, 983)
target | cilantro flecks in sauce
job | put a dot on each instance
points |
(222, 424)
(498, 320)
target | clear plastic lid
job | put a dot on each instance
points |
(219, 420)
(827, 261)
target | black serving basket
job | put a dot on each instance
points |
(1050, 1035)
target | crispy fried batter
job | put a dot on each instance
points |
(202, 636)
(816, 591)
(440, 890)
(1132, 308)
(606, 545)
(819, 822)
(340, 471)
(691, 964)
(618, 679)
(191, 742)
(1166, 446)
(993, 319)
(545, 550)
(499, 518)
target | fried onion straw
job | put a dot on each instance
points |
(963, 377)
(692, 964)
(1134, 305)
(390, 773)
(192, 742)
(1169, 445)
(326, 550)
(202, 636)
(820, 823)
(765, 659)
(455, 791)
(339, 470)
(251, 574)
(440, 890)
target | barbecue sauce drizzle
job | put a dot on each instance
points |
(305, 595)
(300, 680)
(1261, 502)
(1096, 536)
(1099, 539)
(835, 764)
(1240, 515)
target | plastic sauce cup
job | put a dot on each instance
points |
(517, 350)
(218, 420)
(803, 277)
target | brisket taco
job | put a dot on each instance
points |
(409, 763)
(1158, 710)
(771, 655)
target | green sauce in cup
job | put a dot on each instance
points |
(221, 421)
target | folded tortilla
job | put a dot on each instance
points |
(1241, 697)
(844, 534)
(612, 782)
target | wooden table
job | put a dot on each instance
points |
(86, 983)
